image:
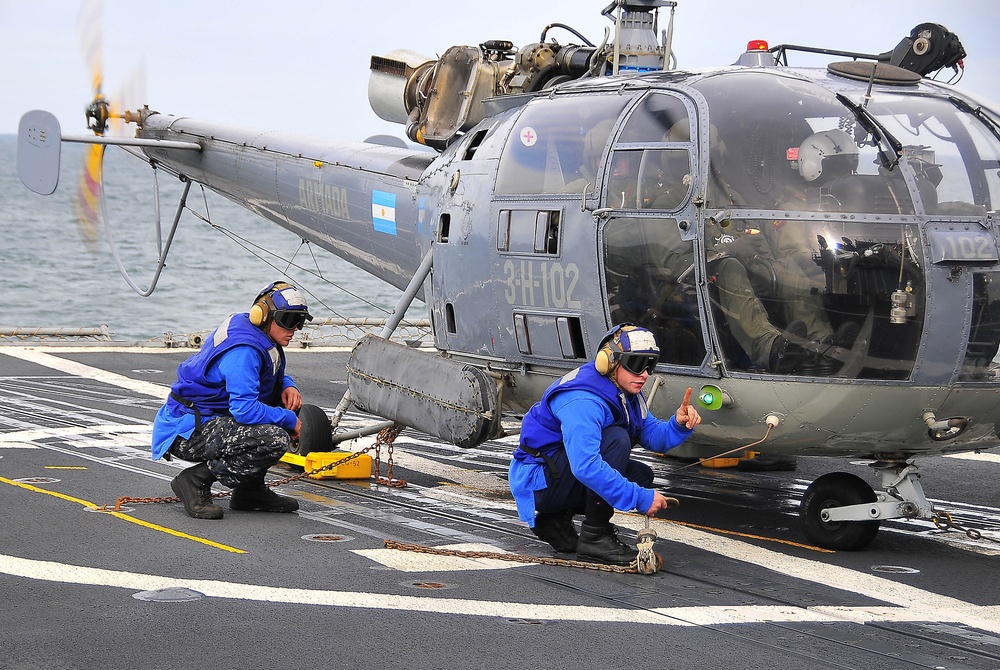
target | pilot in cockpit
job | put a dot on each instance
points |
(822, 158)
(744, 267)
(828, 162)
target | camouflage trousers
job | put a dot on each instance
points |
(237, 454)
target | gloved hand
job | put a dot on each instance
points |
(744, 247)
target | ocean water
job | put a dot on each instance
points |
(58, 275)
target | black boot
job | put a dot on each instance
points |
(260, 498)
(786, 354)
(600, 544)
(194, 488)
(557, 529)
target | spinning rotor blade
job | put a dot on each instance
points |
(88, 192)
(101, 114)
(90, 28)
(130, 95)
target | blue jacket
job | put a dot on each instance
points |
(572, 415)
(239, 372)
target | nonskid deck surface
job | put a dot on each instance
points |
(151, 587)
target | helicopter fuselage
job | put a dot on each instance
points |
(623, 199)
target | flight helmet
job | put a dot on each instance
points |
(831, 153)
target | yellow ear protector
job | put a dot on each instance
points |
(263, 304)
(610, 349)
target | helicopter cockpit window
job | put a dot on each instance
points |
(652, 119)
(557, 144)
(780, 143)
(649, 179)
(981, 362)
(816, 299)
(650, 176)
(650, 280)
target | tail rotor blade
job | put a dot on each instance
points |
(88, 193)
(131, 95)
(90, 28)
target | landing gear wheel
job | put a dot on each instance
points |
(317, 431)
(837, 489)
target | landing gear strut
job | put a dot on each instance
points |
(841, 511)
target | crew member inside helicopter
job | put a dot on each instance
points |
(745, 264)
(575, 443)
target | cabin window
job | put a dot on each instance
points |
(649, 179)
(649, 273)
(644, 174)
(653, 119)
(984, 334)
(826, 287)
(557, 144)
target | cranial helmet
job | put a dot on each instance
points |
(282, 303)
(627, 343)
(831, 151)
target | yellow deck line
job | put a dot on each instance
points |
(124, 517)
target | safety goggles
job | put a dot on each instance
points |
(638, 363)
(291, 319)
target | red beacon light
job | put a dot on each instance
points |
(757, 55)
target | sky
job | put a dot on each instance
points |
(302, 67)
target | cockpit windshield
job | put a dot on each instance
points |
(786, 143)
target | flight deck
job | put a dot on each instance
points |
(146, 586)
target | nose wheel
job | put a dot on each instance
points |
(837, 489)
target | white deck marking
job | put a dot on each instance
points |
(69, 431)
(408, 561)
(33, 355)
(984, 457)
(664, 616)
(886, 590)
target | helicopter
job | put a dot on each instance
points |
(814, 249)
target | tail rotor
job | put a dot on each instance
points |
(103, 115)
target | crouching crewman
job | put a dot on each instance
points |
(233, 410)
(574, 449)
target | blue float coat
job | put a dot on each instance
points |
(572, 415)
(239, 372)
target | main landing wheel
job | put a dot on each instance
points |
(837, 489)
(317, 431)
